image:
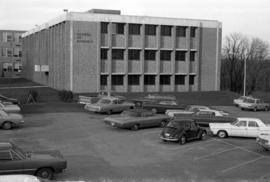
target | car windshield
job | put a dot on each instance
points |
(105, 101)
(19, 150)
(129, 113)
(235, 121)
(176, 125)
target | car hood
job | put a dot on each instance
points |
(219, 125)
(45, 155)
(15, 116)
(265, 136)
(171, 131)
(119, 119)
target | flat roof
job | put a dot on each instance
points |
(98, 17)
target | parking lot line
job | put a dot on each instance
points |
(215, 153)
(242, 164)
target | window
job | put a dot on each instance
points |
(20, 53)
(180, 79)
(134, 54)
(166, 30)
(192, 55)
(104, 27)
(165, 55)
(117, 79)
(5, 155)
(252, 124)
(118, 28)
(191, 79)
(180, 55)
(241, 124)
(193, 32)
(118, 54)
(181, 31)
(150, 29)
(149, 79)
(14, 156)
(149, 55)
(165, 80)
(17, 38)
(134, 80)
(9, 38)
(104, 54)
(9, 52)
(103, 80)
(134, 29)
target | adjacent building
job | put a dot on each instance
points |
(10, 53)
(102, 49)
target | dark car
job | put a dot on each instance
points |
(204, 117)
(6, 99)
(42, 164)
(182, 130)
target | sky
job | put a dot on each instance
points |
(249, 17)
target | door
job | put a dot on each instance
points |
(9, 164)
(193, 130)
(148, 119)
(239, 129)
(253, 129)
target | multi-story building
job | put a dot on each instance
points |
(10, 53)
(102, 49)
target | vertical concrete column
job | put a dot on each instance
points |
(142, 61)
(188, 59)
(109, 81)
(198, 59)
(173, 58)
(98, 72)
(158, 58)
(126, 61)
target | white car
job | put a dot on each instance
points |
(240, 100)
(19, 178)
(9, 107)
(264, 140)
(241, 127)
(188, 110)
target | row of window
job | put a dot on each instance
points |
(135, 29)
(148, 79)
(11, 52)
(10, 37)
(148, 55)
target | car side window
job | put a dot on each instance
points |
(15, 156)
(241, 124)
(192, 126)
(252, 124)
(5, 155)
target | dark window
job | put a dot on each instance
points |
(134, 54)
(165, 55)
(5, 155)
(191, 79)
(166, 30)
(118, 54)
(104, 27)
(149, 79)
(192, 55)
(117, 79)
(181, 31)
(104, 54)
(20, 53)
(193, 32)
(9, 38)
(150, 55)
(134, 29)
(180, 55)
(165, 80)
(134, 79)
(118, 28)
(103, 79)
(150, 29)
(179, 80)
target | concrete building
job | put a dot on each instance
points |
(10, 53)
(102, 49)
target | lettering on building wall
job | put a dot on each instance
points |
(84, 38)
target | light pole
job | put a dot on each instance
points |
(245, 75)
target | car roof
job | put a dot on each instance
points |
(182, 120)
(138, 110)
(5, 145)
(246, 118)
(110, 97)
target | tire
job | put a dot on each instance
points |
(182, 140)
(266, 109)
(45, 173)
(154, 110)
(135, 127)
(203, 135)
(254, 109)
(109, 112)
(222, 134)
(163, 124)
(7, 125)
(131, 107)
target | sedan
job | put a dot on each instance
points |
(9, 120)
(264, 140)
(9, 107)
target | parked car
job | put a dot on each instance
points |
(14, 160)
(241, 127)
(206, 116)
(189, 109)
(240, 100)
(264, 140)
(20, 178)
(137, 118)
(254, 104)
(105, 93)
(9, 107)
(7, 99)
(182, 130)
(10, 120)
(109, 105)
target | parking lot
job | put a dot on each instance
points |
(95, 151)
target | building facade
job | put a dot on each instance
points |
(99, 49)
(11, 53)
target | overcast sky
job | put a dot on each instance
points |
(250, 17)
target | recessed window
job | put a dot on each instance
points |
(117, 79)
(191, 79)
(134, 54)
(9, 38)
(104, 27)
(118, 54)
(166, 30)
(149, 79)
(133, 79)
(9, 52)
(104, 54)
(180, 55)
(193, 31)
(181, 31)
(118, 28)
(134, 29)
(150, 55)
(165, 55)
(179, 80)
(165, 80)
(192, 55)
(103, 80)
(150, 29)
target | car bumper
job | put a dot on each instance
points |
(113, 124)
(169, 139)
(263, 143)
(93, 109)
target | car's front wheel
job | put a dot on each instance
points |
(135, 127)
(109, 112)
(254, 109)
(45, 173)
(182, 140)
(7, 125)
(203, 135)
(163, 124)
(222, 134)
